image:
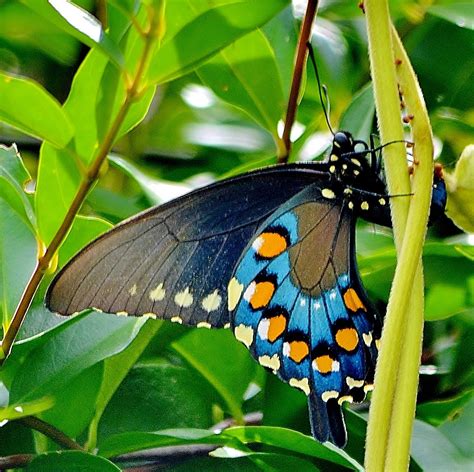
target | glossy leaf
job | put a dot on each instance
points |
(245, 74)
(72, 461)
(292, 441)
(79, 23)
(135, 441)
(170, 396)
(14, 177)
(459, 13)
(223, 25)
(78, 346)
(209, 353)
(18, 257)
(31, 109)
(20, 410)
(432, 450)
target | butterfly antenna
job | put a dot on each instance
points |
(320, 87)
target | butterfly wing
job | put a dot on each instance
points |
(174, 261)
(298, 304)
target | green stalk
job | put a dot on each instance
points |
(390, 420)
(405, 398)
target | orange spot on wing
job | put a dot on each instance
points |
(352, 300)
(324, 364)
(262, 294)
(347, 338)
(271, 245)
(276, 327)
(298, 350)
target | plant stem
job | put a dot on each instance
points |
(301, 55)
(91, 175)
(50, 431)
(16, 461)
(405, 398)
(390, 420)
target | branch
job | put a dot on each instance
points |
(51, 432)
(91, 175)
(300, 60)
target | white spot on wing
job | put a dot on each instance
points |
(133, 290)
(234, 292)
(257, 244)
(302, 384)
(353, 383)
(212, 301)
(263, 328)
(249, 291)
(176, 319)
(244, 334)
(158, 293)
(328, 193)
(270, 362)
(328, 394)
(184, 298)
(367, 337)
(345, 398)
(204, 324)
(364, 206)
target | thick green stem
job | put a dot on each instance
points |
(390, 420)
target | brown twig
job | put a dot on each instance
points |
(91, 175)
(51, 432)
(16, 461)
(300, 60)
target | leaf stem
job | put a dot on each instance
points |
(91, 175)
(301, 55)
(50, 431)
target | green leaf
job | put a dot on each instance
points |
(439, 411)
(157, 191)
(292, 441)
(72, 461)
(245, 74)
(79, 23)
(13, 178)
(84, 230)
(170, 397)
(79, 396)
(17, 258)
(223, 25)
(76, 347)
(28, 107)
(359, 115)
(461, 14)
(210, 352)
(267, 461)
(136, 441)
(432, 450)
(115, 370)
(20, 410)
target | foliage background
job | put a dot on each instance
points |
(109, 382)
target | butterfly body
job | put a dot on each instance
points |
(269, 254)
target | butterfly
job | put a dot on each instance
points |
(269, 254)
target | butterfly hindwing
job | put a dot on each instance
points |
(174, 261)
(298, 305)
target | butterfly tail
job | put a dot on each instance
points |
(327, 420)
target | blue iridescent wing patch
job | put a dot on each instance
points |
(297, 303)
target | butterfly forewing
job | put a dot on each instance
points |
(174, 261)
